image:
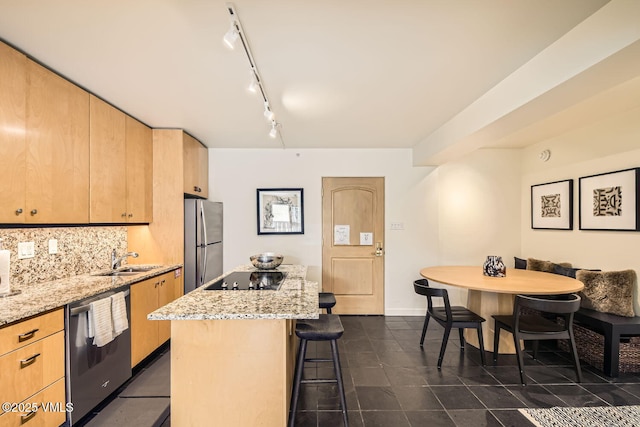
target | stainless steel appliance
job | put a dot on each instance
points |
(94, 372)
(202, 242)
(249, 280)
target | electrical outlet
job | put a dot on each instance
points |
(26, 250)
(53, 246)
(397, 225)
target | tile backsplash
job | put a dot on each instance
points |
(80, 250)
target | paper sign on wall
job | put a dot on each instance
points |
(341, 234)
(366, 239)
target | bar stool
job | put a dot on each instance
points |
(327, 327)
(327, 300)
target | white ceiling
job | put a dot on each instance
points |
(352, 74)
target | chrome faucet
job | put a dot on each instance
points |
(116, 261)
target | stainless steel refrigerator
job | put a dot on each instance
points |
(202, 242)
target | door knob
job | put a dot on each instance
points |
(379, 251)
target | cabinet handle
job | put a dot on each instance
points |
(28, 361)
(18, 211)
(26, 417)
(196, 189)
(124, 215)
(34, 211)
(156, 284)
(130, 215)
(27, 335)
(162, 282)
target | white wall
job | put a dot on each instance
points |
(457, 214)
(605, 146)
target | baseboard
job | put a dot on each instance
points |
(405, 312)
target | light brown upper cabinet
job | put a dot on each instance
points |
(44, 149)
(121, 166)
(196, 167)
(57, 182)
(139, 171)
(13, 87)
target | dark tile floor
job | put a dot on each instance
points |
(390, 381)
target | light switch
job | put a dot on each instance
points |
(26, 250)
(397, 225)
(53, 246)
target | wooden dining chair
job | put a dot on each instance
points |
(448, 317)
(534, 327)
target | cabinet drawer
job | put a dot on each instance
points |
(31, 368)
(53, 397)
(23, 333)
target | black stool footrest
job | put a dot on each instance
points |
(318, 360)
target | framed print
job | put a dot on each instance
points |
(280, 211)
(552, 205)
(609, 201)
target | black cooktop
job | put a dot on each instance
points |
(249, 281)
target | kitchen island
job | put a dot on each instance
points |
(233, 351)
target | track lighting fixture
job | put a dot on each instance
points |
(253, 82)
(231, 36)
(256, 84)
(273, 132)
(267, 112)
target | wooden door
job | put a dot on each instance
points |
(108, 163)
(57, 184)
(353, 243)
(13, 87)
(139, 165)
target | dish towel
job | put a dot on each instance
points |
(119, 313)
(100, 322)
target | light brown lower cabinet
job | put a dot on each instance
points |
(32, 367)
(147, 296)
(250, 379)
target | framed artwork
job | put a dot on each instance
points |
(552, 205)
(609, 201)
(280, 211)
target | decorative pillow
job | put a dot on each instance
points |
(608, 291)
(521, 264)
(546, 266)
(568, 271)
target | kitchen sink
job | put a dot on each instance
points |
(128, 271)
(119, 273)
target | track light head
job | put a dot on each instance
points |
(253, 82)
(273, 132)
(268, 113)
(231, 36)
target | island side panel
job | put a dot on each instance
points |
(230, 372)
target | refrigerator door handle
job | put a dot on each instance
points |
(204, 267)
(204, 241)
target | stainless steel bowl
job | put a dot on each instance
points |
(266, 261)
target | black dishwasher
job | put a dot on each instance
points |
(93, 373)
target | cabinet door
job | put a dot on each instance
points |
(13, 87)
(203, 170)
(108, 191)
(196, 167)
(144, 332)
(166, 294)
(57, 183)
(139, 165)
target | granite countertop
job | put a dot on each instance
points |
(37, 298)
(297, 298)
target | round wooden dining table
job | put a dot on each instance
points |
(495, 295)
